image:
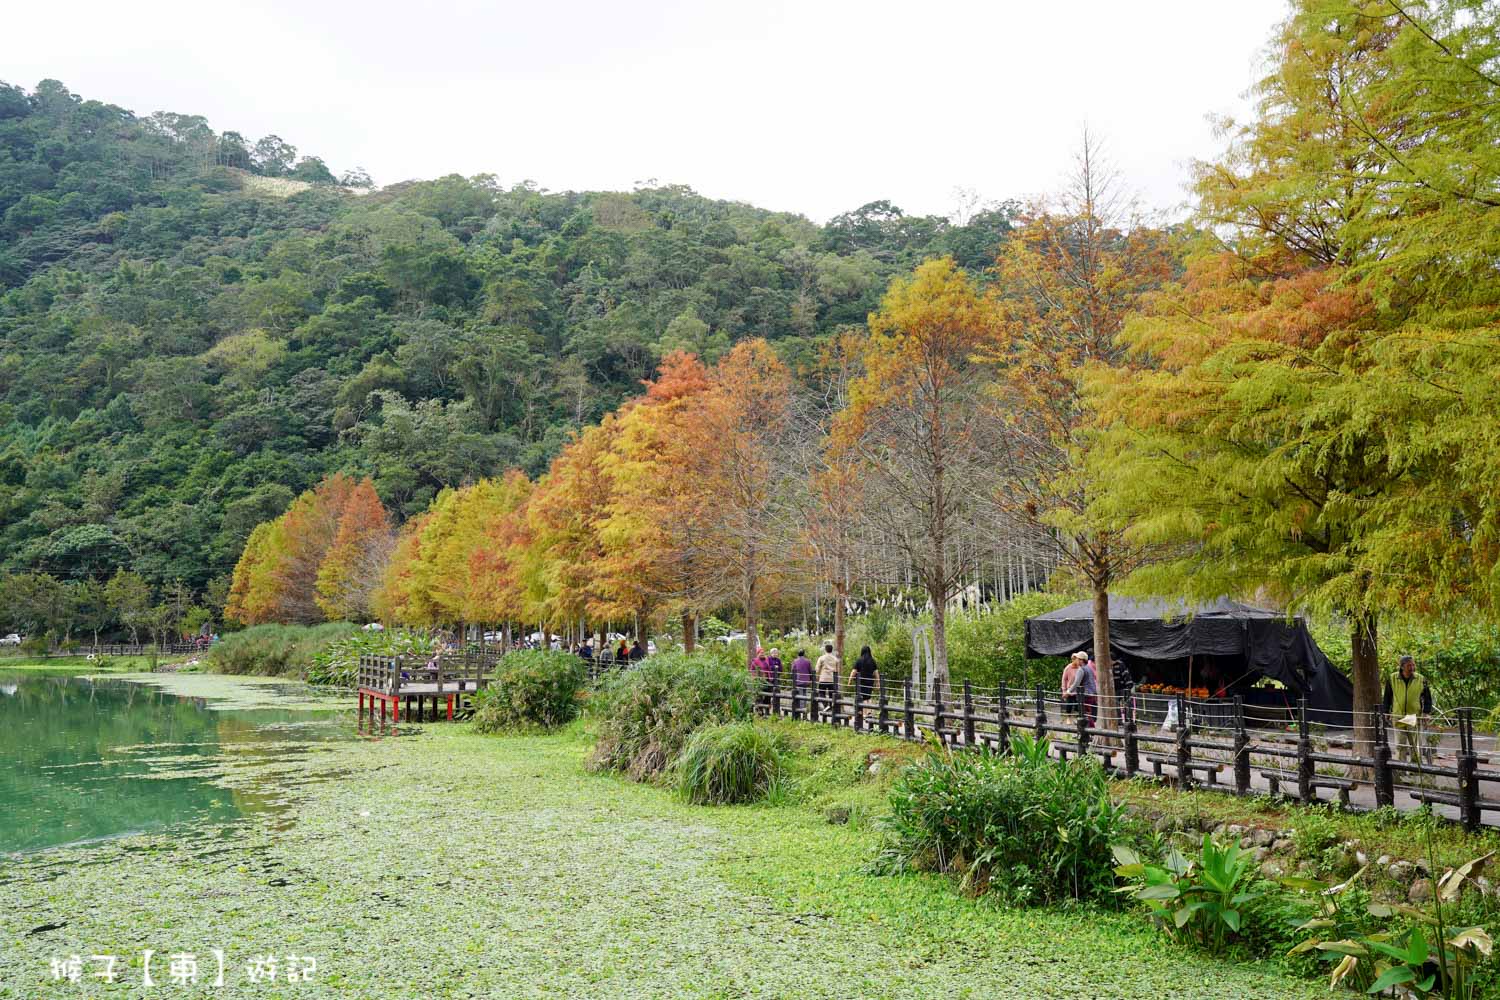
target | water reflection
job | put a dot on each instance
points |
(84, 759)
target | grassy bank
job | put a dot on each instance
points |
(449, 864)
(79, 664)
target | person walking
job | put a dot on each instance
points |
(1085, 688)
(863, 675)
(1408, 702)
(828, 675)
(802, 677)
(637, 651)
(760, 669)
(1070, 672)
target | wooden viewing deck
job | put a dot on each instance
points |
(388, 681)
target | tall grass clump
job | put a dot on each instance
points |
(275, 650)
(729, 763)
(1022, 825)
(647, 713)
(532, 689)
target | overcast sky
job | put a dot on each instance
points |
(813, 107)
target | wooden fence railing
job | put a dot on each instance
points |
(1200, 743)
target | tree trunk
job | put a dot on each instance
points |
(1103, 663)
(689, 632)
(840, 601)
(752, 637)
(1365, 667)
(940, 648)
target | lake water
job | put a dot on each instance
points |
(83, 759)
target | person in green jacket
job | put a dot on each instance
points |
(1407, 700)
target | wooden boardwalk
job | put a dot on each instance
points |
(389, 682)
(1309, 764)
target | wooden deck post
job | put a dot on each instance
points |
(1041, 714)
(1241, 748)
(938, 713)
(833, 705)
(883, 718)
(1132, 745)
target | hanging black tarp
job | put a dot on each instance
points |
(1260, 643)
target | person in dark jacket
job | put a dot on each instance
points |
(802, 673)
(864, 674)
(637, 651)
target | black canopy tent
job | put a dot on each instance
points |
(1239, 643)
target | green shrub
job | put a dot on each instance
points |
(274, 650)
(646, 713)
(531, 689)
(1314, 834)
(729, 763)
(1023, 825)
(1204, 899)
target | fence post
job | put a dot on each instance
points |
(968, 715)
(1184, 751)
(1132, 745)
(833, 704)
(884, 718)
(1304, 754)
(937, 712)
(1041, 714)
(1002, 722)
(1385, 781)
(1081, 723)
(775, 700)
(908, 715)
(1468, 787)
(859, 707)
(1241, 749)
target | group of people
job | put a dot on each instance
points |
(864, 674)
(632, 652)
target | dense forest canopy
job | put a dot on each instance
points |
(197, 327)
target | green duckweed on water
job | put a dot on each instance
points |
(441, 863)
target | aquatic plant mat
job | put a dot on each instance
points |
(442, 863)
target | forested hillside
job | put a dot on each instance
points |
(187, 347)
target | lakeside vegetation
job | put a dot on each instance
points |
(607, 887)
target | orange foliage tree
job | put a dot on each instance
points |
(917, 432)
(351, 570)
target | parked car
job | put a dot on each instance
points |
(11, 640)
(733, 637)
